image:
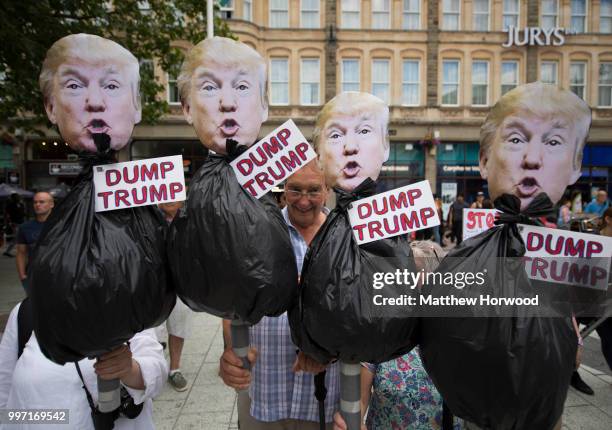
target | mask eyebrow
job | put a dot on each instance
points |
(515, 124)
(337, 125)
(207, 74)
(72, 73)
(242, 74)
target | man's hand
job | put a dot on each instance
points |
(231, 370)
(339, 423)
(119, 364)
(304, 363)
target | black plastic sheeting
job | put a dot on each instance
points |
(500, 372)
(96, 279)
(335, 317)
(230, 253)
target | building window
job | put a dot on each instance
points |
(481, 15)
(578, 78)
(605, 84)
(605, 16)
(247, 10)
(279, 81)
(380, 79)
(411, 19)
(310, 76)
(579, 12)
(450, 82)
(509, 76)
(550, 10)
(380, 14)
(350, 75)
(279, 13)
(410, 83)
(480, 83)
(511, 13)
(351, 14)
(173, 92)
(451, 10)
(309, 14)
(548, 72)
(226, 9)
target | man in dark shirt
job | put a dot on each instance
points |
(28, 233)
(455, 217)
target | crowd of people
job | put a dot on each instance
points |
(276, 392)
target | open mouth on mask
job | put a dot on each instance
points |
(351, 169)
(229, 127)
(97, 126)
(527, 187)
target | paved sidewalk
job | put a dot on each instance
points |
(210, 405)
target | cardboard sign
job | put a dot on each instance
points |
(273, 159)
(139, 183)
(567, 257)
(475, 221)
(394, 212)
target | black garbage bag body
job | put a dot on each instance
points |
(97, 278)
(505, 372)
(335, 316)
(230, 253)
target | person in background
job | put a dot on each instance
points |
(599, 204)
(178, 322)
(479, 199)
(439, 230)
(28, 233)
(455, 217)
(487, 204)
(399, 394)
(14, 216)
(565, 212)
(280, 383)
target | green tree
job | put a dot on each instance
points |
(147, 28)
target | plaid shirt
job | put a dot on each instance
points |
(276, 392)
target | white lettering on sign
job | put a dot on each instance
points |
(394, 212)
(475, 221)
(273, 159)
(139, 183)
(567, 257)
(535, 36)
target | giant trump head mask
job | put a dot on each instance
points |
(90, 85)
(351, 139)
(532, 142)
(223, 87)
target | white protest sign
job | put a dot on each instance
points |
(567, 257)
(394, 212)
(475, 221)
(273, 159)
(139, 183)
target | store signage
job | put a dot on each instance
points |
(475, 221)
(394, 212)
(273, 159)
(65, 169)
(535, 36)
(139, 183)
(453, 170)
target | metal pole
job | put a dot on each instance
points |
(209, 19)
(240, 342)
(350, 392)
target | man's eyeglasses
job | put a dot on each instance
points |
(295, 194)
